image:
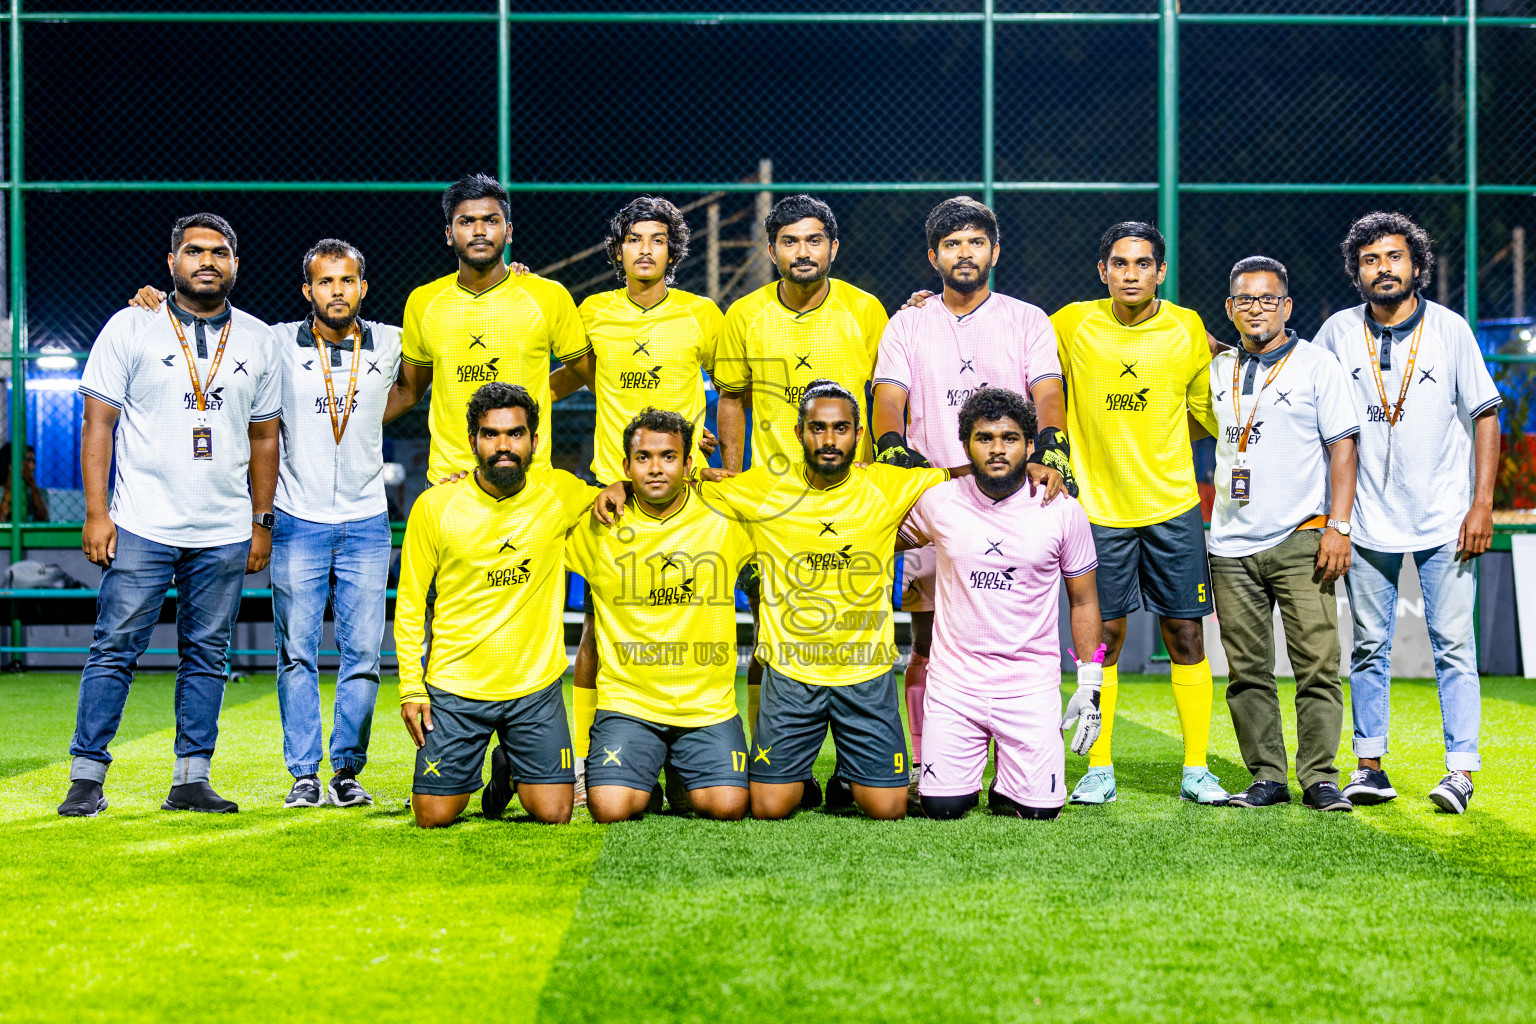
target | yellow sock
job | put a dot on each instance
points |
(754, 693)
(1098, 754)
(586, 710)
(1192, 691)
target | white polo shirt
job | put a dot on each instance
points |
(138, 367)
(1304, 409)
(319, 480)
(1415, 481)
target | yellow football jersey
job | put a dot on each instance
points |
(1128, 389)
(777, 352)
(499, 569)
(664, 591)
(647, 356)
(506, 332)
(827, 559)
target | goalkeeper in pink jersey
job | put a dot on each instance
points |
(995, 670)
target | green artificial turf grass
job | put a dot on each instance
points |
(1148, 909)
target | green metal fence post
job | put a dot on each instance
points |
(1471, 256)
(18, 289)
(1168, 140)
(503, 93)
(988, 102)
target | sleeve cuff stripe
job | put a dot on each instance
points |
(266, 416)
(416, 362)
(887, 380)
(1486, 406)
(1080, 572)
(1045, 376)
(1341, 436)
(734, 389)
(573, 355)
(114, 403)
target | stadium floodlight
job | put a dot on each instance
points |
(56, 356)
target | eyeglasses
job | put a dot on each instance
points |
(1268, 303)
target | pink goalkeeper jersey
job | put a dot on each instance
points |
(999, 579)
(939, 359)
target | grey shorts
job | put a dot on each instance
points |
(1161, 567)
(629, 751)
(792, 721)
(532, 728)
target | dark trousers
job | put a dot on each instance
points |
(1247, 591)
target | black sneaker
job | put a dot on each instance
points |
(1369, 786)
(306, 792)
(344, 790)
(498, 792)
(839, 794)
(677, 794)
(810, 796)
(198, 796)
(1325, 796)
(1262, 793)
(84, 800)
(1453, 794)
(655, 804)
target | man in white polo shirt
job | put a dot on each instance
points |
(187, 400)
(1285, 483)
(1429, 452)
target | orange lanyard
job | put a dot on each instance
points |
(1237, 410)
(198, 391)
(339, 427)
(1381, 388)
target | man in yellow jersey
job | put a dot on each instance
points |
(482, 324)
(1135, 367)
(651, 344)
(777, 339)
(492, 657)
(663, 581)
(825, 534)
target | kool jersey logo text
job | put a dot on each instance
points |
(478, 373)
(214, 399)
(1126, 401)
(641, 380)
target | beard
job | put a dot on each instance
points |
(204, 293)
(502, 476)
(803, 274)
(999, 486)
(1386, 292)
(961, 285)
(1260, 340)
(822, 469)
(338, 324)
(467, 255)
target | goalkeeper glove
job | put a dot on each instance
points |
(1053, 452)
(892, 450)
(1083, 708)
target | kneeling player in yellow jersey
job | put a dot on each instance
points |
(1135, 367)
(491, 544)
(776, 340)
(651, 344)
(663, 582)
(825, 535)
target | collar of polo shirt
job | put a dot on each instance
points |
(1400, 331)
(188, 319)
(306, 333)
(1274, 355)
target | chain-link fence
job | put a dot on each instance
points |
(1239, 127)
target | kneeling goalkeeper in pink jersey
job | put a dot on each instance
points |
(995, 669)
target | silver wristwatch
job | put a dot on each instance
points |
(1341, 525)
(266, 519)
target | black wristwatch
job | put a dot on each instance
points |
(266, 519)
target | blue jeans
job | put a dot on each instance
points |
(1450, 590)
(347, 565)
(132, 592)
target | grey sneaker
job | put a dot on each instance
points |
(1453, 794)
(345, 791)
(306, 792)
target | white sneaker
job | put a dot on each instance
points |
(1453, 794)
(581, 787)
(914, 777)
